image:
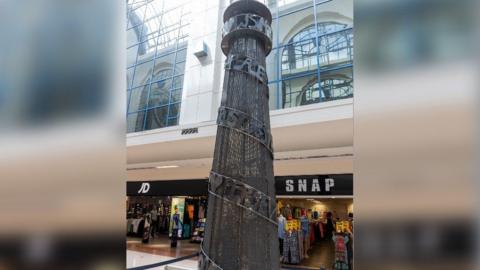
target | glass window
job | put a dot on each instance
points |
(156, 48)
(156, 118)
(135, 121)
(299, 56)
(176, 96)
(294, 89)
(300, 53)
(179, 68)
(173, 121)
(174, 110)
(138, 99)
(274, 98)
(314, 62)
(160, 93)
(271, 62)
(129, 77)
(178, 82)
(336, 88)
(165, 60)
(142, 74)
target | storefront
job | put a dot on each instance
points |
(317, 211)
(316, 220)
(160, 201)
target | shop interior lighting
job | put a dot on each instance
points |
(167, 167)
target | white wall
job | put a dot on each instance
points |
(201, 90)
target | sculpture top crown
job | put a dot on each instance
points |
(257, 7)
(261, 1)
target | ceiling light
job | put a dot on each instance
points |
(167, 167)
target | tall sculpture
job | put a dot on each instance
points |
(241, 230)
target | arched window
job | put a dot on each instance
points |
(331, 88)
(302, 59)
(300, 53)
(157, 34)
(158, 87)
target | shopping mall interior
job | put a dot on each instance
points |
(173, 97)
(308, 233)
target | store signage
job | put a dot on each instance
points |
(190, 187)
(144, 188)
(337, 184)
(325, 185)
(301, 185)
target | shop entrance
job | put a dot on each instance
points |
(159, 211)
(153, 221)
(317, 231)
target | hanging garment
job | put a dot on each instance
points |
(312, 233)
(129, 226)
(290, 248)
(305, 225)
(146, 232)
(300, 245)
(186, 230)
(190, 209)
(136, 223)
(321, 226)
(281, 227)
(287, 212)
(341, 254)
(279, 207)
(297, 212)
(280, 244)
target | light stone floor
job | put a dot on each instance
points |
(137, 258)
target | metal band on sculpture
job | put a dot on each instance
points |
(242, 195)
(205, 261)
(243, 123)
(246, 25)
(247, 65)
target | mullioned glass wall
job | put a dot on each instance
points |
(312, 56)
(311, 61)
(156, 53)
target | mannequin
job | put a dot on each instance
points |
(281, 232)
(305, 227)
(287, 212)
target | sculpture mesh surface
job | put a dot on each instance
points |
(241, 232)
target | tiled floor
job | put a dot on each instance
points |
(136, 258)
(320, 255)
(161, 246)
(158, 250)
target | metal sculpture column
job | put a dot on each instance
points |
(241, 230)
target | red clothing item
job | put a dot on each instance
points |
(322, 229)
(312, 233)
